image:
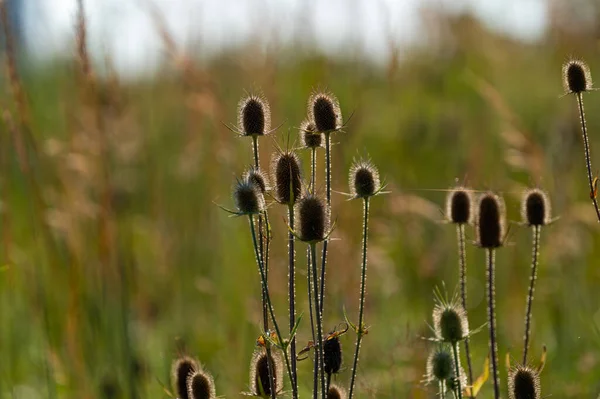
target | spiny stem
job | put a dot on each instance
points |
(319, 316)
(457, 370)
(586, 146)
(265, 289)
(492, 319)
(292, 293)
(536, 246)
(312, 285)
(363, 281)
(313, 168)
(328, 193)
(462, 259)
(255, 151)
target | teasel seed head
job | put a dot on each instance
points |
(312, 215)
(324, 111)
(254, 116)
(489, 223)
(180, 370)
(440, 365)
(259, 373)
(524, 383)
(332, 355)
(258, 178)
(450, 322)
(308, 137)
(201, 385)
(336, 392)
(248, 198)
(459, 206)
(576, 77)
(285, 169)
(535, 208)
(364, 179)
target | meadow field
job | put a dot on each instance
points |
(115, 258)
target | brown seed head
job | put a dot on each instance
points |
(201, 385)
(332, 355)
(450, 322)
(248, 198)
(576, 77)
(254, 116)
(459, 205)
(180, 370)
(440, 365)
(535, 207)
(336, 392)
(364, 179)
(258, 178)
(524, 383)
(489, 224)
(285, 169)
(308, 137)
(324, 111)
(259, 373)
(312, 215)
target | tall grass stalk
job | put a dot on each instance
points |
(490, 257)
(363, 281)
(462, 259)
(534, 262)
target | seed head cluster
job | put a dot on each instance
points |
(576, 77)
(364, 179)
(489, 223)
(524, 383)
(535, 208)
(312, 215)
(181, 369)
(459, 206)
(286, 176)
(201, 385)
(259, 373)
(254, 116)
(324, 111)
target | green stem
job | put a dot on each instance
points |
(319, 316)
(457, 370)
(492, 320)
(312, 285)
(363, 281)
(292, 294)
(462, 258)
(536, 246)
(265, 288)
(328, 193)
(586, 146)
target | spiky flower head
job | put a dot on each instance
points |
(364, 179)
(312, 215)
(450, 322)
(489, 222)
(324, 111)
(332, 354)
(336, 392)
(524, 383)
(258, 178)
(180, 370)
(440, 365)
(259, 373)
(254, 116)
(535, 207)
(285, 169)
(576, 77)
(248, 198)
(201, 385)
(459, 206)
(309, 138)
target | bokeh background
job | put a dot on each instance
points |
(115, 258)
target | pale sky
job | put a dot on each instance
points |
(125, 30)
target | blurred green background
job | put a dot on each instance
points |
(115, 258)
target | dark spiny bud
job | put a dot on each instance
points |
(308, 137)
(332, 354)
(364, 179)
(524, 383)
(440, 365)
(576, 77)
(459, 205)
(489, 226)
(336, 392)
(248, 198)
(259, 373)
(286, 176)
(313, 218)
(254, 116)
(452, 382)
(450, 322)
(324, 111)
(258, 178)
(535, 208)
(180, 370)
(201, 385)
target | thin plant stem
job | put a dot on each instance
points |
(313, 168)
(292, 292)
(255, 151)
(319, 316)
(457, 370)
(310, 283)
(363, 281)
(586, 146)
(265, 288)
(328, 196)
(462, 259)
(534, 262)
(492, 319)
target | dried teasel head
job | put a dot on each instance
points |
(285, 170)
(254, 116)
(332, 354)
(312, 215)
(364, 179)
(459, 205)
(450, 322)
(201, 385)
(324, 111)
(440, 365)
(524, 383)
(490, 221)
(248, 198)
(309, 138)
(535, 207)
(259, 373)
(258, 178)
(180, 370)
(576, 77)
(336, 392)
